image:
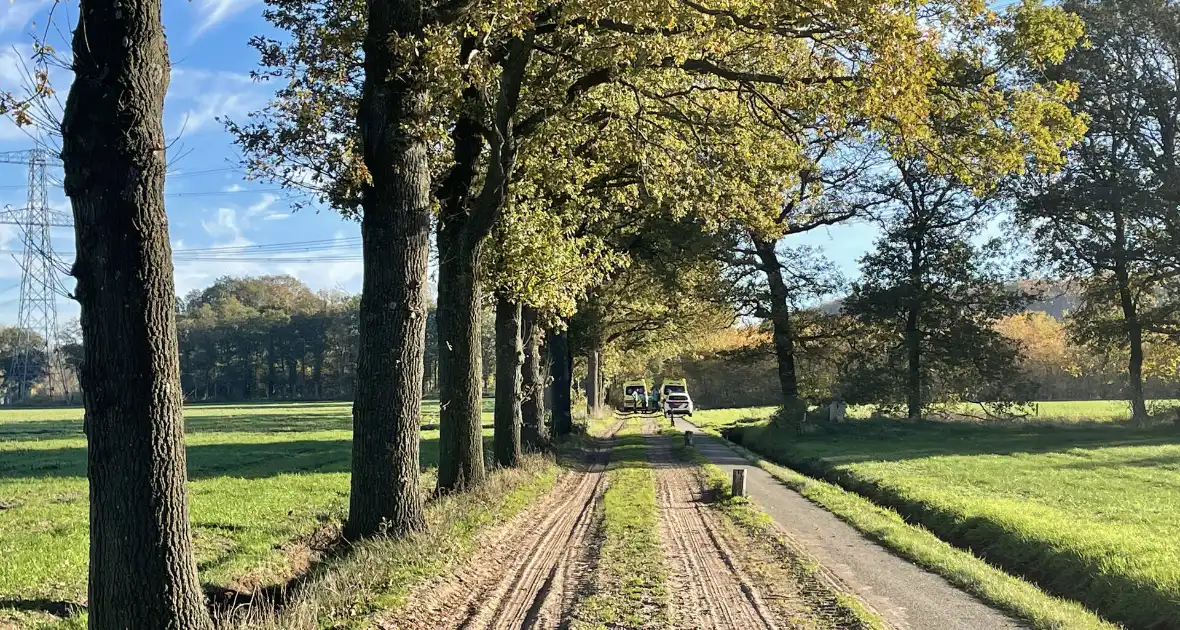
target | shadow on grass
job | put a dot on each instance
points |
(1162, 461)
(326, 543)
(251, 460)
(899, 440)
(261, 417)
(53, 607)
(331, 547)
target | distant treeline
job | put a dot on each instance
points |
(738, 368)
(240, 339)
(273, 338)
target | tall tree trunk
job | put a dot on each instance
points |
(1134, 328)
(559, 354)
(293, 374)
(395, 231)
(317, 378)
(464, 225)
(142, 573)
(913, 330)
(249, 373)
(509, 358)
(780, 319)
(594, 383)
(270, 368)
(301, 378)
(460, 382)
(1131, 322)
(534, 431)
(913, 346)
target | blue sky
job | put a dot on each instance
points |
(209, 203)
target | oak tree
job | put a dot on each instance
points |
(1109, 220)
(929, 299)
(142, 572)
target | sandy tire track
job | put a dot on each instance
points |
(528, 571)
(709, 589)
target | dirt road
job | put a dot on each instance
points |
(708, 586)
(529, 571)
(535, 571)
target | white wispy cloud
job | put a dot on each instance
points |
(10, 131)
(214, 12)
(191, 82)
(225, 228)
(233, 188)
(262, 205)
(16, 15)
(197, 97)
(11, 75)
(192, 275)
(210, 107)
(277, 216)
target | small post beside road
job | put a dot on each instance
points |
(688, 438)
(739, 482)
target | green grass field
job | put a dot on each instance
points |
(1053, 412)
(1089, 511)
(261, 476)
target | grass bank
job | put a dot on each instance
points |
(631, 591)
(374, 578)
(1086, 513)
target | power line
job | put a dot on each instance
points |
(213, 193)
(197, 193)
(293, 246)
(285, 251)
(228, 169)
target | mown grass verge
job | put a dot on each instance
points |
(845, 610)
(962, 568)
(631, 591)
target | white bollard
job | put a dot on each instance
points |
(739, 482)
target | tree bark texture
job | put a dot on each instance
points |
(465, 224)
(535, 433)
(559, 354)
(460, 386)
(395, 231)
(509, 358)
(142, 573)
(780, 318)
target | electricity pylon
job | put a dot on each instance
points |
(39, 282)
